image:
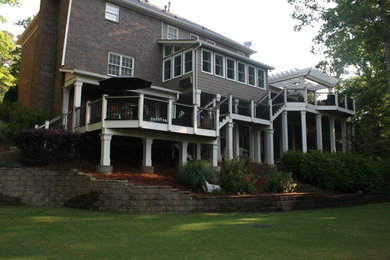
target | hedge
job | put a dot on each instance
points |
(339, 172)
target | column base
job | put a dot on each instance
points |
(216, 168)
(104, 169)
(148, 169)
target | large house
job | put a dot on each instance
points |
(128, 68)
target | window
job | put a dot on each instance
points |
(112, 12)
(172, 33)
(261, 78)
(177, 61)
(194, 37)
(241, 72)
(167, 69)
(167, 50)
(251, 76)
(219, 65)
(188, 62)
(119, 65)
(177, 48)
(231, 69)
(206, 61)
(210, 42)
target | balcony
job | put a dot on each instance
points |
(149, 113)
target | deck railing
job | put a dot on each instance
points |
(183, 115)
(122, 108)
(96, 111)
(206, 118)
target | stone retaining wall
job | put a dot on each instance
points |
(40, 187)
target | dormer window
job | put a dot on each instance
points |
(112, 12)
(172, 33)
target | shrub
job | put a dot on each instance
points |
(40, 146)
(235, 177)
(280, 181)
(291, 162)
(195, 174)
(339, 172)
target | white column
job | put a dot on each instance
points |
(344, 135)
(251, 144)
(214, 155)
(78, 86)
(140, 109)
(236, 103)
(236, 133)
(198, 151)
(198, 93)
(183, 153)
(147, 155)
(332, 134)
(229, 140)
(284, 131)
(105, 149)
(257, 158)
(319, 132)
(303, 131)
(269, 142)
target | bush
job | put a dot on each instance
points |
(291, 162)
(280, 181)
(236, 178)
(18, 117)
(40, 146)
(195, 174)
(339, 172)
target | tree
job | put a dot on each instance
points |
(8, 2)
(7, 58)
(355, 33)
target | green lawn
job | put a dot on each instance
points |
(59, 233)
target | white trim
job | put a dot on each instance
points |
(194, 36)
(211, 42)
(211, 62)
(66, 33)
(177, 32)
(223, 65)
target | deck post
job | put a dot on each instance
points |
(147, 155)
(236, 133)
(332, 134)
(87, 115)
(169, 114)
(303, 131)
(257, 146)
(198, 151)
(105, 149)
(65, 105)
(229, 140)
(269, 142)
(319, 132)
(140, 109)
(183, 153)
(284, 131)
(230, 105)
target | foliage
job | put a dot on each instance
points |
(4, 131)
(235, 177)
(291, 161)
(7, 47)
(8, 2)
(195, 174)
(355, 35)
(18, 117)
(11, 95)
(277, 181)
(41, 146)
(340, 172)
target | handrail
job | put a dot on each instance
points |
(155, 99)
(95, 101)
(118, 97)
(261, 100)
(221, 102)
(278, 95)
(184, 105)
(210, 103)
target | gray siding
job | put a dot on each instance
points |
(215, 85)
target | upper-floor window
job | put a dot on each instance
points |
(167, 69)
(172, 33)
(241, 72)
(120, 65)
(177, 63)
(188, 61)
(219, 62)
(206, 61)
(231, 69)
(251, 76)
(112, 12)
(261, 78)
(194, 37)
(210, 42)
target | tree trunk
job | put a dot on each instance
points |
(386, 36)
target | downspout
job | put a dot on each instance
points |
(66, 33)
(195, 74)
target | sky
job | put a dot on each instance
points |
(267, 23)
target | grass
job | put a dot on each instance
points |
(60, 233)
